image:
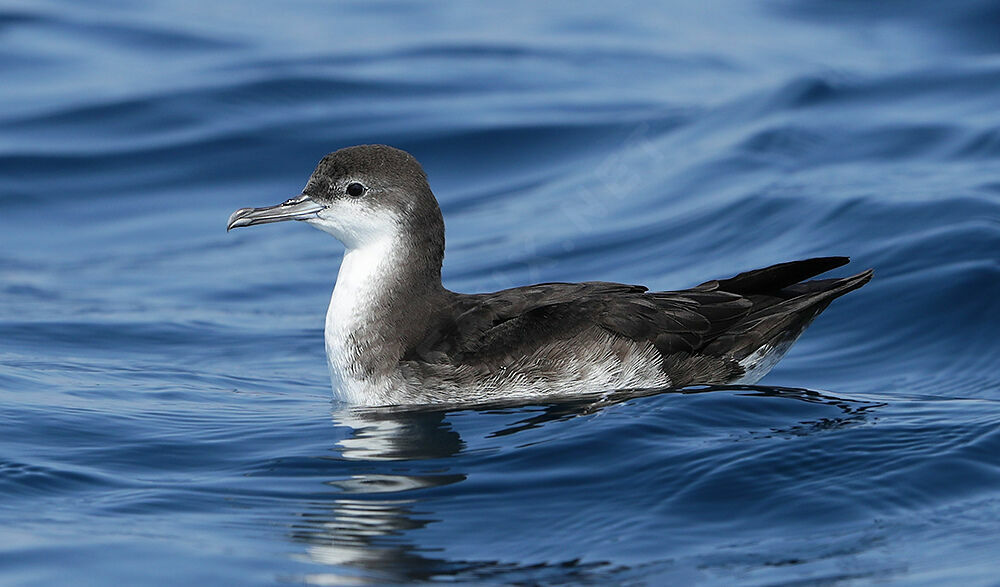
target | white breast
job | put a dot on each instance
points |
(361, 277)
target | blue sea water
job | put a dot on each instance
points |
(165, 410)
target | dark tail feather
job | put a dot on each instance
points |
(771, 279)
(773, 323)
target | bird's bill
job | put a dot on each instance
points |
(298, 208)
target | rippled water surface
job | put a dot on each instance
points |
(165, 410)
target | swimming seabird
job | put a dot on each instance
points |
(394, 334)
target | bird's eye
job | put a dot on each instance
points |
(355, 189)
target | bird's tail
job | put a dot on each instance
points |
(783, 305)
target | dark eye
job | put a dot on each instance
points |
(355, 189)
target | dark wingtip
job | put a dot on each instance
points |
(828, 262)
(781, 275)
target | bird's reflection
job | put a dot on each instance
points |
(362, 532)
(396, 462)
(396, 435)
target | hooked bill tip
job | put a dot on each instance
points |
(236, 219)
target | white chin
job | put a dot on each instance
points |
(333, 228)
(356, 228)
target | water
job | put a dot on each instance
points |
(165, 411)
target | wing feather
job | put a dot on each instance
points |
(721, 318)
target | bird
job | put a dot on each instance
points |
(395, 336)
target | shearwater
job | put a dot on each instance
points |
(395, 336)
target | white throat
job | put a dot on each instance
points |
(362, 278)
